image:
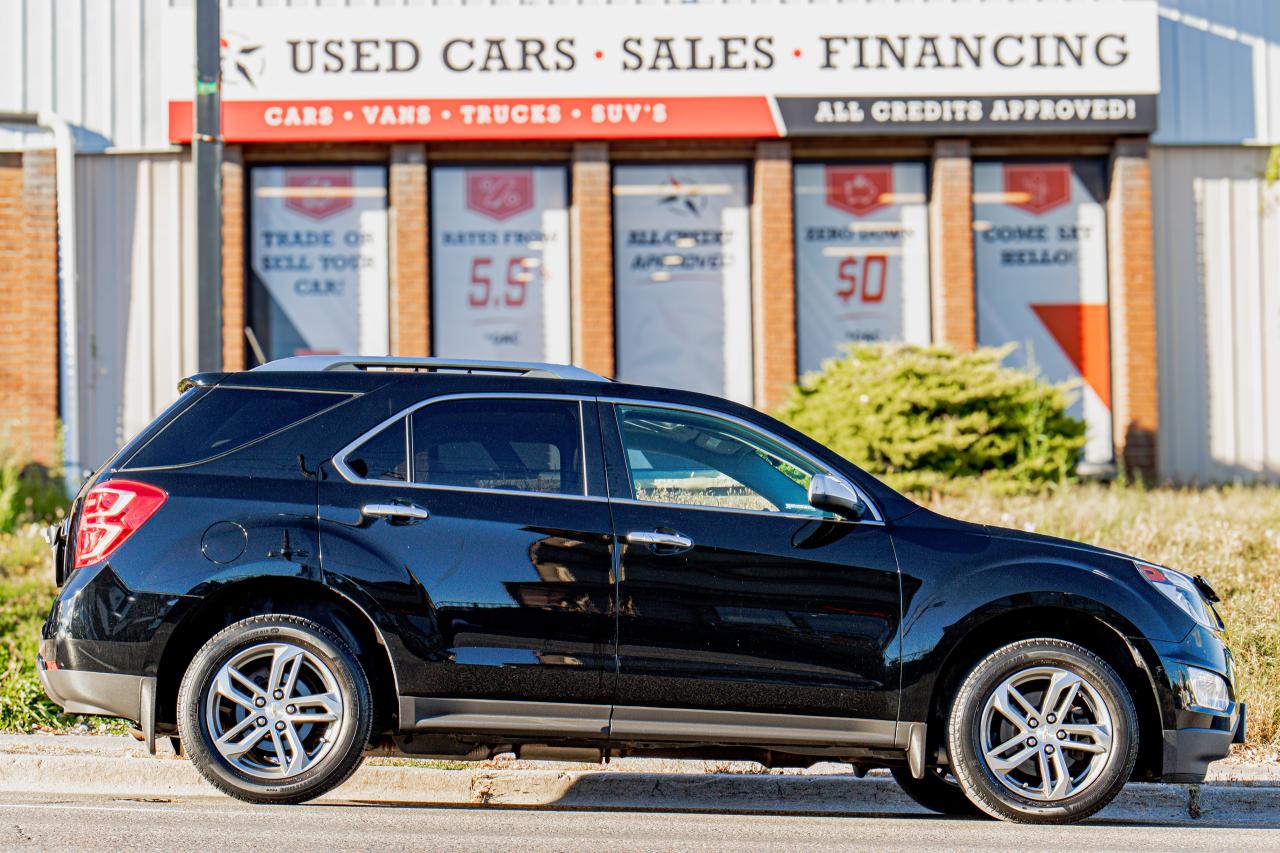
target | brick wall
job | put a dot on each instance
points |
(773, 275)
(591, 227)
(29, 313)
(951, 245)
(410, 276)
(1135, 402)
(235, 355)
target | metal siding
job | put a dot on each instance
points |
(1217, 239)
(136, 292)
(95, 62)
(1219, 72)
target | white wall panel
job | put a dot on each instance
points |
(1219, 72)
(1217, 243)
(136, 293)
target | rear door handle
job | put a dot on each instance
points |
(404, 513)
(660, 539)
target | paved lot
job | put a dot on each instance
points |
(44, 822)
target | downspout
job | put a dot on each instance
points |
(64, 155)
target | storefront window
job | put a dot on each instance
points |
(682, 267)
(1040, 254)
(500, 262)
(318, 261)
(862, 256)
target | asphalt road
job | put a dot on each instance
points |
(45, 822)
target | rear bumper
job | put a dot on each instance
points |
(104, 694)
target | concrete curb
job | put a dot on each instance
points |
(129, 776)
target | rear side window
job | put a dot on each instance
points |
(227, 419)
(514, 444)
(383, 457)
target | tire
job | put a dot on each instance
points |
(282, 743)
(938, 791)
(1079, 750)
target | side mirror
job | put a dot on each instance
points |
(831, 494)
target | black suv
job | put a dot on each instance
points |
(299, 563)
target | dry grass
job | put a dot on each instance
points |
(1229, 535)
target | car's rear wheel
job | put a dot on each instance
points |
(1042, 731)
(938, 791)
(275, 709)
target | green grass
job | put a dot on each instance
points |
(1229, 535)
(26, 594)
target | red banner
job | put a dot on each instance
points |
(461, 119)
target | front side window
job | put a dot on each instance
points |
(511, 444)
(688, 458)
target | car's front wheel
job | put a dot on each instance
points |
(275, 709)
(1042, 731)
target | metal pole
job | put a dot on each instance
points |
(206, 153)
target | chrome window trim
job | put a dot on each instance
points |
(339, 458)
(877, 518)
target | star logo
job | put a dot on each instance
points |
(244, 59)
(683, 199)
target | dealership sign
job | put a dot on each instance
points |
(518, 72)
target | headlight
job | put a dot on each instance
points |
(1182, 591)
(1208, 689)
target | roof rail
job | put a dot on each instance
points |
(536, 369)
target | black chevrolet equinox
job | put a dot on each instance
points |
(298, 564)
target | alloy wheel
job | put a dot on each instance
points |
(273, 710)
(1046, 733)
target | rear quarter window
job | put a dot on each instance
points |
(228, 419)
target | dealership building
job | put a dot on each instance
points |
(709, 195)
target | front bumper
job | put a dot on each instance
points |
(1195, 736)
(1189, 752)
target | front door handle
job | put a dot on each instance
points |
(660, 539)
(397, 513)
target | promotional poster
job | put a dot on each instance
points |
(500, 262)
(319, 259)
(862, 249)
(1040, 254)
(682, 268)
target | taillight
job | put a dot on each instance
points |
(111, 512)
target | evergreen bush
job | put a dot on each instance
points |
(922, 418)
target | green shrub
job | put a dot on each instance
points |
(922, 417)
(30, 493)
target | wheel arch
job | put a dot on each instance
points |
(1099, 635)
(256, 596)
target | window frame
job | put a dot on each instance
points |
(339, 458)
(876, 517)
